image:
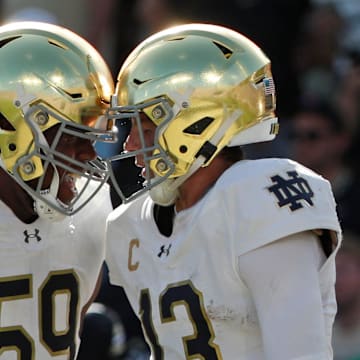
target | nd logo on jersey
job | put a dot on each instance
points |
(291, 191)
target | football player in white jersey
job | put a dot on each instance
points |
(220, 257)
(54, 90)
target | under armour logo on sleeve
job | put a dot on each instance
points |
(292, 191)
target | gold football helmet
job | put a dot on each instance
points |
(50, 76)
(205, 87)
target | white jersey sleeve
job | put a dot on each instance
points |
(285, 289)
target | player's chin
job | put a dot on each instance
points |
(67, 189)
(66, 196)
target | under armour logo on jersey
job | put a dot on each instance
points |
(34, 235)
(164, 251)
(291, 191)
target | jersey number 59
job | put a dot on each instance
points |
(16, 338)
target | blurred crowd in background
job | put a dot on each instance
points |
(314, 46)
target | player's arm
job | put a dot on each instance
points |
(283, 278)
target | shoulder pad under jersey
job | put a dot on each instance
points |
(269, 199)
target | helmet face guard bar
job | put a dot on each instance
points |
(94, 171)
(100, 128)
(154, 155)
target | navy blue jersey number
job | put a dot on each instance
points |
(200, 344)
(15, 337)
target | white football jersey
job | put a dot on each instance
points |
(187, 289)
(48, 272)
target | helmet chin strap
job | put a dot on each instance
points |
(42, 208)
(165, 193)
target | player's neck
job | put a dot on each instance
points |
(194, 188)
(17, 199)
